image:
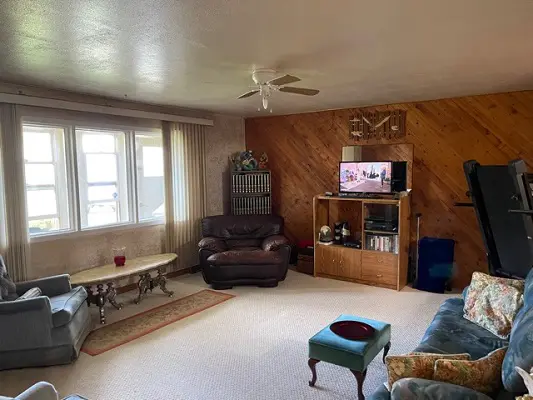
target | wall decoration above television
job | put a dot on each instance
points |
(378, 125)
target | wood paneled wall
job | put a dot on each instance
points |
(304, 151)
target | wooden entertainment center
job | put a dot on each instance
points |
(385, 268)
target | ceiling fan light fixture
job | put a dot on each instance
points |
(266, 84)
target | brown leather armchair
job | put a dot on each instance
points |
(243, 250)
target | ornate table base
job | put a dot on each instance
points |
(146, 282)
(100, 297)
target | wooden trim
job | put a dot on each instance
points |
(362, 199)
(360, 281)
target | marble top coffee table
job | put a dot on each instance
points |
(108, 274)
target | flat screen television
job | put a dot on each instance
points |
(365, 177)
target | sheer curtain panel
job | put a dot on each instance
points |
(17, 250)
(185, 202)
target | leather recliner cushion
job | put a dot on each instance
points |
(66, 305)
(248, 257)
(245, 271)
(234, 244)
(242, 226)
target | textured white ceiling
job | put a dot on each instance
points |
(199, 53)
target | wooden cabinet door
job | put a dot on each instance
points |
(329, 258)
(350, 264)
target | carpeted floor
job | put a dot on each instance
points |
(252, 347)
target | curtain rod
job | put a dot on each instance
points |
(93, 108)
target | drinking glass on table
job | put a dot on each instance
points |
(119, 254)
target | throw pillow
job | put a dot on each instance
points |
(30, 294)
(8, 290)
(483, 375)
(493, 303)
(419, 365)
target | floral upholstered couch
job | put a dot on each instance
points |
(450, 333)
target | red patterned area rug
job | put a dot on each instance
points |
(113, 335)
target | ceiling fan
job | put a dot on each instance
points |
(266, 83)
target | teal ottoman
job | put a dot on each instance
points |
(352, 354)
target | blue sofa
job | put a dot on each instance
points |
(42, 391)
(450, 333)
(45, 330)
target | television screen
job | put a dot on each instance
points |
(369, 177)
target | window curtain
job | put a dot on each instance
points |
(15, 247)
(185, 189)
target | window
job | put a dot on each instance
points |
(150, 175)
(83, 177)
(46, 178)
(102, 178)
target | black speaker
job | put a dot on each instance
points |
(399, 176)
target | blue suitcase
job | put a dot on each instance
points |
(435, 264)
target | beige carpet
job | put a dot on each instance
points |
(252, 347)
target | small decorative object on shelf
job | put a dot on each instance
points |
(528, 381)
(338, 232)
(325, 235)
(119, 256)
(345, 232)
(263, 161)
(245, 161)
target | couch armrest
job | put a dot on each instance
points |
(424, 389)
(39, 391)
(214, 244)
(51, 286)
(26, 324)
(274, 242)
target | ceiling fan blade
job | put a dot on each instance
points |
(248, 94)
(297, 90)
(284, 80)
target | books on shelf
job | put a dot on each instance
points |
(388, 243)
(250, 182)
(251, 205)
(250, 192)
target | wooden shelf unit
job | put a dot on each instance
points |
(371, 267)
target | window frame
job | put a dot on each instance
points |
(72, 177)
(61, 174)
(123, 181)
(136, 172)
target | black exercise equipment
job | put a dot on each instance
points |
(493, 191)
(524, 193)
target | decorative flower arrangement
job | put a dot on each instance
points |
(245, 161)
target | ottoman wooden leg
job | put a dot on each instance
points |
(312, 364)
(386, 351)
(360, 377)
